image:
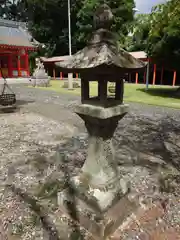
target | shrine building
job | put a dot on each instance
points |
(157, 74)
(15, 45)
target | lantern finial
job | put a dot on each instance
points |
(103, 17)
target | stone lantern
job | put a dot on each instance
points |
(101, 61)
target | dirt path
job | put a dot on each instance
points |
(147, 141)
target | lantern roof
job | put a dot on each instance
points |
(102, 52)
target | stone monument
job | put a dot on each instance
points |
(100, 189)
(40, 77)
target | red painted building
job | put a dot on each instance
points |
(49, 64)
(15, 45)
(154, 74)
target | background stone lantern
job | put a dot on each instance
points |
(103, 61)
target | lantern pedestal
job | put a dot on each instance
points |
(101, 193)
(100, 167)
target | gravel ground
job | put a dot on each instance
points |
(147, 144)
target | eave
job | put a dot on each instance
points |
(5, 46)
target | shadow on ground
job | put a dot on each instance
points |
(48, 190)
(23, 102)
(138, 141)
(143, 141)
(162, 92)
(35, 207)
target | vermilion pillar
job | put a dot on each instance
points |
(19, 66)
(0, 70)
(27, 64)
(61, 75)
(137, 76)
(54, 73)
(10, 65)
(174, 78)
(145, 76)
(154, 74)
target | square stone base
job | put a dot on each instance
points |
(97, 224)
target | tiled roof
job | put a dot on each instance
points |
(98, 55)
(138, 55)
(15, 34)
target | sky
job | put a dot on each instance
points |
(144, 6)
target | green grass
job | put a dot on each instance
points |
(156, 95)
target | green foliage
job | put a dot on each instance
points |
(137, 39)
(122, 10)
(49, 24)
(164, 36)
(157, 33)
(48, 21)
(46, 14)
(13, 10)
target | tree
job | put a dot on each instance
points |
(48, 21)
(46, 14)
(137, 39)
(3, 7)
(49, 24)
(13, 10)
(164, 36)
(123, 12)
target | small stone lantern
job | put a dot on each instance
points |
(102, 61)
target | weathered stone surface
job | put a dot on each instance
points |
(100, 167)
(91, 57)
(100, 112)
(99, 225)
(169, 182)
(40, 77)
(100, 182)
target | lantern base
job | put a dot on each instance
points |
(100, 192)
(100, 166)
(94, 219)
(100, 170)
